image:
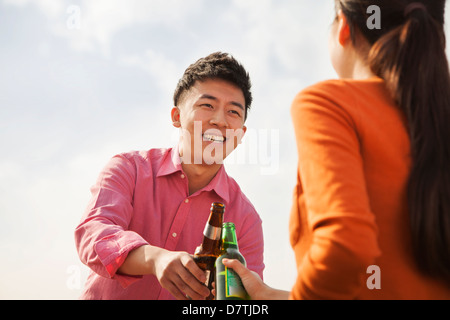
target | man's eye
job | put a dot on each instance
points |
(235, 112)
(207, 105)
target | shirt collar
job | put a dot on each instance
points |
(220, 185)
(172, 163)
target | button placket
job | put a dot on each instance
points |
(177, 225)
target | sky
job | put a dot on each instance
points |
(84, 80)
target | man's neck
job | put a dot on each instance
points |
(199, 175)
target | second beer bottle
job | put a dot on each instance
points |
(206, 254)
(228, 283)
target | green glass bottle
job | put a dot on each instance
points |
(228, 284)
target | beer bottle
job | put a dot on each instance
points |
(206, 254)
(228, 284)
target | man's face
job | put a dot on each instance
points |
(211, 116)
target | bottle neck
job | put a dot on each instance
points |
(213, 231)
(211, 240)
(229, 239)
(229, 246)
(216, 217)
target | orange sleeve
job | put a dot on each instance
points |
(336, 208)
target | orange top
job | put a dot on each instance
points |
(350, 207)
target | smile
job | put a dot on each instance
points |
(213, 138)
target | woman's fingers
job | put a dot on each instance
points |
(251, 280)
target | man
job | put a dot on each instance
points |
(148, 209)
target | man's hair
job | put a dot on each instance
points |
(217, 65)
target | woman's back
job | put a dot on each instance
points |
(351, 211)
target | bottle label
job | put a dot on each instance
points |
(207, 274)
(213, 233)
(233, 285)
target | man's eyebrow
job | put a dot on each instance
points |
(207, 96)
(210, 97)
(237, 104)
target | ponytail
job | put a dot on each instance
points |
(411, 58)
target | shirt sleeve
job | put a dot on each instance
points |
(338, 215)
(102, 239)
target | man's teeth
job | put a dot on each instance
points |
(210, 137)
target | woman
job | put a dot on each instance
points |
(371, 213)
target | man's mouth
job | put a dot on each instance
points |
(213, 138)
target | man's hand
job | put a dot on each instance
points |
(176, 271)
(179, 274)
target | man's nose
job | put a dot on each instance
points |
(219, 119)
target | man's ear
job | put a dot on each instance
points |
(244, 128)
(176, 117)
(240, 136)
(344, 34)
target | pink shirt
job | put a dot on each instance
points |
(143, 198)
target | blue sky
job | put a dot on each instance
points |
(84, 80)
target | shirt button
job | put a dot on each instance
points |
(186, 201)
(183, 176)
(174, 234)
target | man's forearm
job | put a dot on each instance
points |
(141, 261)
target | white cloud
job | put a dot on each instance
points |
(50, 8)
(163, 70)
(101, 20)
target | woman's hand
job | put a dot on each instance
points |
(255, 287)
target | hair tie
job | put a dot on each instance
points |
(414, 6)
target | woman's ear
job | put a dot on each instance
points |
(344, 35)
(175, 113)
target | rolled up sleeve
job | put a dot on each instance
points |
(102, 238)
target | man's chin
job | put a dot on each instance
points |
(207, 160)
(210, 161)
(211, 153)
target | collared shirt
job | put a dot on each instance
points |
(143, 198)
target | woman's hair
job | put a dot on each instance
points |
(408, 52)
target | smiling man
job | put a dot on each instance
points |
(149, 208)
(211, 117)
